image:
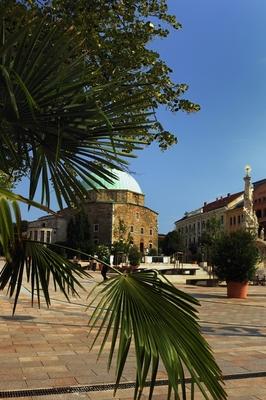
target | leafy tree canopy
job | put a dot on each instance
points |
(116, 36)
(172, 243)
(209, 237)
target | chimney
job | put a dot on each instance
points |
(205, 203)
(228, 194)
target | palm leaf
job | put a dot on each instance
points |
(8, 195)
(39, 264)
(161, 321)
(35, 261)
(56, 119)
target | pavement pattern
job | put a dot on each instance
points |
(49, 348)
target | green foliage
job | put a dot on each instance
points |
(172, 243)
(121, 246)
(236, 256)
(153, 252)
(160, 322)
(37, 262)
(57, 125)
(212, 233)
(64, 129)
(134, 256)
(103, 253)
(117, 36)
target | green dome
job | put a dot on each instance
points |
(124, 181)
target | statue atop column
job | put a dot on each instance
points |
(250, 220)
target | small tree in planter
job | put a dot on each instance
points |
(235, 258)
(134, 256)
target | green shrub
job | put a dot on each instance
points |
(235, 256)
(103, 253)
(134, 256)
(153, 252)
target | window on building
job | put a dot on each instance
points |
(48, 237)
(222, 219)
(137, 216)
(96, 228)
(194, 227)
(43, 224)
(142, 231)
(35, 235)
(132, 228)
(150, 245)
(96, 241)
(231, 221)
(42, 236)
(234, 220)
(203, 224)
(151, 232)
(30, 235)
(198, 226)
(264, 212)
(238, 219)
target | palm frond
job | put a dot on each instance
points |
(144, 309)
(54, 118)
(8, 195)
(39, 265)
(34, 261)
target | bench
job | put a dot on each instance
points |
(203, 282)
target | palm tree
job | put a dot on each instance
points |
(59, 128)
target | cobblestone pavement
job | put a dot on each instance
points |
(51, 348)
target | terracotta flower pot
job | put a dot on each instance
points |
(237, 290)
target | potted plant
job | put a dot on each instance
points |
(235, 258)
(134, 257)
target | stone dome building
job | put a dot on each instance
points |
(114, 212)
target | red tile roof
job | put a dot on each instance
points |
(221, 202)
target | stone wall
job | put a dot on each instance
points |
(100, 222)
(115, 196)
(141, 224)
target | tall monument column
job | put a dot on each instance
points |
(250, 220)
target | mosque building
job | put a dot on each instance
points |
(120, 203)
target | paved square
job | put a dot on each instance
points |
(51, 348)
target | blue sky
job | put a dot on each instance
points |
(221, 54)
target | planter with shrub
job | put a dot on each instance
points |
(134, 257)
(235, 259)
